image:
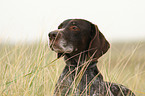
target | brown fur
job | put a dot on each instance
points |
(82, 44)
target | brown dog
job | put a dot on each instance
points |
(81, 43)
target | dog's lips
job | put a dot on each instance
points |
(61, 46)
(55, 48)
(51, 47)
(61, 49)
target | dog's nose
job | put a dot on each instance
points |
(52, 35)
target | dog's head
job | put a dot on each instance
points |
(76, 35)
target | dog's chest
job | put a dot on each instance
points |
(71, 82)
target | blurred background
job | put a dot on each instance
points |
(32, 20)
(28, 67)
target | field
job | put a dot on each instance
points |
(33, 70)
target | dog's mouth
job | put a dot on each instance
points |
(61, 46)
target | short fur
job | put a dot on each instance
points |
(82, 44)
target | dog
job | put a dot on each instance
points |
(81, 44)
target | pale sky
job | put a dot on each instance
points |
(29, 20)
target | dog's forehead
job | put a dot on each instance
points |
(75, 22)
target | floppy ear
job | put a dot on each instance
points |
(98, 44)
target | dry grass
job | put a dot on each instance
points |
(33, 70)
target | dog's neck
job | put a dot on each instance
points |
(79, 62)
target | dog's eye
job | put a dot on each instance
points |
(74, 28)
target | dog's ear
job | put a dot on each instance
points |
(98, 44)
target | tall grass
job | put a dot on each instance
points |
(33, 70)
